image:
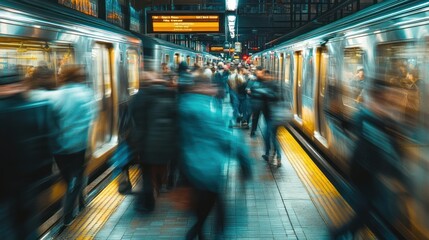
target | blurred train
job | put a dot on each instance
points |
(31, 32)
(318, 72)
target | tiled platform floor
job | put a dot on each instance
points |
(274, 205)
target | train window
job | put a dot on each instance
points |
(176, 59)
(287, 69)
(352, 79)
(100, 54)
(188, 60)
(133, 72)
(30, 54)
(323, 61)
(400, 65)
(167, 58)
(298, 82)
(308, 79)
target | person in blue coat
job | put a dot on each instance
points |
(205, 146)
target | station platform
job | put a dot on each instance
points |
(295, 201)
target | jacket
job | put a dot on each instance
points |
(154, 134)
(27, 136)
(76, 109)
(204, 140)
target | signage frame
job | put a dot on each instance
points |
(150, 29)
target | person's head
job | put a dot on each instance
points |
(259, 72)
(165, 68)
(73, 73)
(220, 66)
(183, 67)
(42, 77)
(360, 74)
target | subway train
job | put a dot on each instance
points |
(317, 71)
(33, 31)
(157, 51)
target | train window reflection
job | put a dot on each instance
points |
(399, 65)
(353, 79)
(30, 54)
(133, 72)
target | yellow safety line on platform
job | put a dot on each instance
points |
(322, 192)
(93, 218)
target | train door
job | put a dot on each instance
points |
(102, 80)
(299, 59)
(322, 66)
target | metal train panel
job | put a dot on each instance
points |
(383, 40)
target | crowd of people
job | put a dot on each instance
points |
(173, 121)
(179, 131)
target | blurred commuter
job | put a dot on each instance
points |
(243, 100)
(220, 79)
(273, 118)
(75, 107)
(166, 72)
(256, 91)
(413, 86)
(27, 136)
(185, 78)
(42, 84)
(154, 111)
(359, 85)
(232, 82)
(376, 153)
(205, 146)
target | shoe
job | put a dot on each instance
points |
(124, 187)
(252, 135)
(68, 220)
(266, 158)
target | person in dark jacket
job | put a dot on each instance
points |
(26, 139)
(257, 96)
(220, 79)
(154, 113)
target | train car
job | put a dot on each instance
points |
(31, 32)
(157, 51)
(319, 72)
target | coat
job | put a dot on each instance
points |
(154, 134)
(27, 137)
(205, 142)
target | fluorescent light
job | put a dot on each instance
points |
(231, 5)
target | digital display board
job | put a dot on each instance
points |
(185, 22)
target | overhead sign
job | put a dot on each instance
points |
(184, 22)
(216, 48)
(238, 47)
